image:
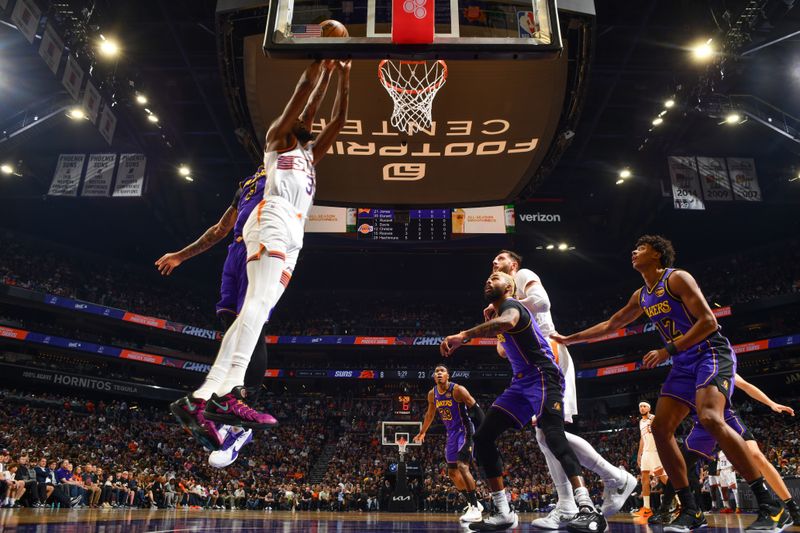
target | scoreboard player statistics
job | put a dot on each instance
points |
(404, 224)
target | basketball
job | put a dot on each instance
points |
(333, 28)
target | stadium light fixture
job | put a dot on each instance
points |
(703, 51)
(108, 47)
(141, 99)
(669, 103)
(6, 169)
(563, 247)
(625, 173)
(76, 113)
(657, 121)
(188, 178)
(550, 246)
(733, 118)
(152, 118)
(620, 181)
(183, 170)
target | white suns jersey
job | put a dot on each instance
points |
(291, 175)
(722, 462)
(545, 319)
(647, 434)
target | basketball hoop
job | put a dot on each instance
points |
(413, 86)
(402, 443)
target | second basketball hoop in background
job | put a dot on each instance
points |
(412, 86)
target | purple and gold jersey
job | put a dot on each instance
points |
(526, 348)
(666, 311)
(250, 193)
(452, 413)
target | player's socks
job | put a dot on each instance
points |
(589, 458)
(794, 510)
(760, 491)
(582, 498)
(500, 502)
(472, 497)
(687, 499)
(646, 501)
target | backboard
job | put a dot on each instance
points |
(468, 29)
(392, 431)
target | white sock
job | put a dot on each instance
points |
(582, 498)
(646, 502)
(735, 497)
(501, 502)
(12, 501)
(590, 459)
(263, 290)
(222, 365)
(566, 501)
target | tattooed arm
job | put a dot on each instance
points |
(506, 321)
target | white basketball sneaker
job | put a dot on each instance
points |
(473, 514)
(233, 442)
(558, 518)
(615, 493)
(496, 522)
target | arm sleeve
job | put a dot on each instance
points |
(535, 298)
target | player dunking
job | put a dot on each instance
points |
(701, 379)
(227, 441)
(459, 412)
(647, 457)
(273, 234)
(618, 484)
(700, 443)
(536, 389)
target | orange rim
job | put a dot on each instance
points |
(390, 85)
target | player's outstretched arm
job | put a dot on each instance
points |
(279, 130)
(429, 414)
(499, 324)
(760, 396)
(170, 261)
(340, 106)
(310, 111)
(620, 319)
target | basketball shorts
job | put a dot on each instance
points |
(458, 448)
(234, 279)
(701, 442)
(568, 369)
(275, 228)
(727, 477)
(530, 395)
(650, 461)
(713, 480)
(712, 362)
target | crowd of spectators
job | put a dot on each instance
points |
(74, 452)
(738, 278)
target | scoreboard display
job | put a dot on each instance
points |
(402, 405)
(404, 224)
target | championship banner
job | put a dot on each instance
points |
(480, 220)
(714, 179)
(26, 17)
(52, 48)
(326, 220)
(130, 175)
(99, 173)
(67, 176)
(73, 77)
(685, 183)
(108, 123)
(743, 177)
(91, 103)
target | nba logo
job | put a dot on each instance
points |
(527, 24)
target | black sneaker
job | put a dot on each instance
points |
(688, 520)
(661, 517)
(772, 518)
(794, 511)
(588, 520)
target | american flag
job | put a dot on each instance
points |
(306, 31)
(286, 162)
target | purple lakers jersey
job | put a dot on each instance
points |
(665, 311)
(526, 348)
(452, 413)
(250, 193)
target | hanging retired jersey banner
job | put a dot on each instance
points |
(685, 183)
(130, 175)
(714, 179)
(744, 180)
(99, 173)
(26, 17)
(52, 48)
(73, 77)
(67, 175)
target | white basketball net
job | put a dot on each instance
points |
(413, 86)
(402, 444)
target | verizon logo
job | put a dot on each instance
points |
(539, 217)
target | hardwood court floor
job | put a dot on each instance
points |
(162, 521)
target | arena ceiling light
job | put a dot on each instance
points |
(563, 247)
(183, 170)
(76, 113)
(152, 118)
(669, 103)
(6, 169)
(625, 173)
(141, 99)
(657, 121)
(620, 181)
(108, 47)
(703, 51)
(550, 246)
(733, 118)
(188, 178)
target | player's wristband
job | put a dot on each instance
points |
(672, 349)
